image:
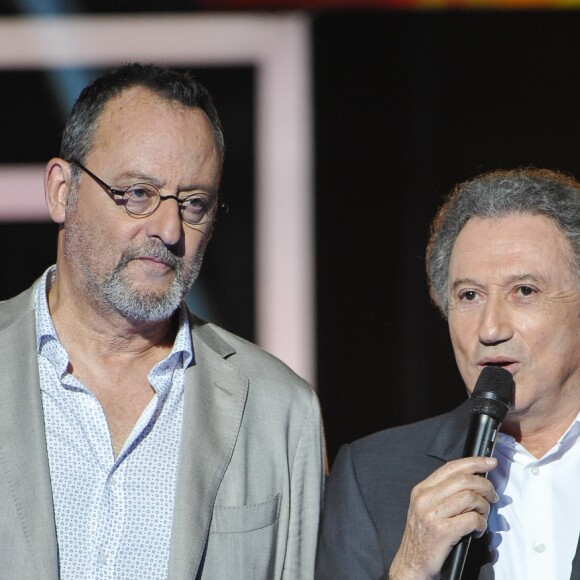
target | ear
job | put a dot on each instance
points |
(57, 182)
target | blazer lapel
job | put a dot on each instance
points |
(449, 441)
(23, 455)
(576, 563)
(215, 396)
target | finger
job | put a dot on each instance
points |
(426, 495)
(462, 502)
(462, 525)
(453, 470)
(464, 465)
(467, 483)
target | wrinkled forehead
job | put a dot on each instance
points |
(141, 109)
(140, 123)
(533, 239)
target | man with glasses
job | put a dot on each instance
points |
(136, 440)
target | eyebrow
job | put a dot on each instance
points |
(528, 277)
(137, 177)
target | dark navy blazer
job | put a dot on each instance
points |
(367, 498)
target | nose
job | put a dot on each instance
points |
(495, 325)
(165, 222)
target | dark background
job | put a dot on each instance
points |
(406, 105)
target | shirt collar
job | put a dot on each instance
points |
(45, 330)
(509, 446)
(47, 342)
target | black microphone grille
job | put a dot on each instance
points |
(493, 392)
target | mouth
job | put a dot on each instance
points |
(152, 266)
(154, 261)
(157, 257)
(507, 363)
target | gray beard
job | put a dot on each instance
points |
(116, 291)
(142, 306)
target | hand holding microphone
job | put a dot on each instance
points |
(454, 501)
(490, 403)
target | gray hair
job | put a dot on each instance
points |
(175, 86)
(497, 194)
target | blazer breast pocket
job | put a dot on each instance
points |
(245, 518)
(243, 541)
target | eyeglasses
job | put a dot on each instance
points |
(142, 199)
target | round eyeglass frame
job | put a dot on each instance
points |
(115, 194)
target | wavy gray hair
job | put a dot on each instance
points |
(497, 194)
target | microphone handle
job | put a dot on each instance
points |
(480, 442)
(481, 436)
(453, 567)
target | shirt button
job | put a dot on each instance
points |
(535, 470)
(539, 548)
(102, 558)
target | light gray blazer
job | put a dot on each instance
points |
(251, 470)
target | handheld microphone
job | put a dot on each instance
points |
(490, 403)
